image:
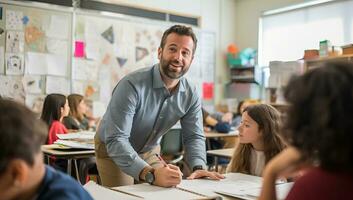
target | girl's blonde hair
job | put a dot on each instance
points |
(269, 122)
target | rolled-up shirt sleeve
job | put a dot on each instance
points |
(193, 137)
(118, 128)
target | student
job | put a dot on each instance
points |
(23, 174)
(55, 108)
(241, 106)
(76, 119)
(319, 129)
(258, 140)
(212, 123)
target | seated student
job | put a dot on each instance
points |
(258, 140)
(212, 123)
(319, 129)
(23, 174)
(76, 120)
(55, 108)
(241, 106)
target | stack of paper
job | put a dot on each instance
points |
(75, 144)
(88, 135)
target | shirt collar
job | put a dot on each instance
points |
(158, 82)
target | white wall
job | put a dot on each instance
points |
(247, 17)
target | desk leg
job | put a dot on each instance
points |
(208, 144)
(76, 169)
(69, 162)
(216, 163)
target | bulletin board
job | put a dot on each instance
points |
(35, 49)
(54, 49)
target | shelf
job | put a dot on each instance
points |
(313, 63)
(246, 74)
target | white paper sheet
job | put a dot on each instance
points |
(2, 60)
(58, 27)
(14, 64)
(36, 63)
(33, 84)
(85, 70)
(11, 87)
(14, 20)
(78, 87)
(75, 144)
(55, 46)
(99, 192)
(157, 193)
(88, 135)
(14, 41)
(57, 85)
(57, 64)
(35, 102)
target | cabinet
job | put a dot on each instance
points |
(313, 63)
(244, 75)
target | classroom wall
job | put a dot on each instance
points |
(247, 17)
(216, 16)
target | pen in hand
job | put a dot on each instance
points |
(164, 163)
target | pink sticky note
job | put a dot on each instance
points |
(207, 90)
(79, 49)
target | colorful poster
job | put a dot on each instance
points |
(11, 87)
(14, 64)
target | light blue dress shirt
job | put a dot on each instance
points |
(142, 110)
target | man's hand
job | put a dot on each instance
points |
(204, 173)
(167, 176)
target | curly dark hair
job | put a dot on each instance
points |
(180, 30)
(320, 117)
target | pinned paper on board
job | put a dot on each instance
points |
(58, 27)
(2, 60)
(14, 41)
(57, 85)
(56, 64)
(33, 84)
(14, 64)
(79, 49)
(84, 70)
(14, 20)
(109, 35)
(56, 46)
(11, 87)
(34, 38)
(121, 61)
(35, 102)
(36, 63)
(141, 53)
(207, 90)
(106, 59)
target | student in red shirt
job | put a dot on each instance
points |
(55, 108)
(319, 129)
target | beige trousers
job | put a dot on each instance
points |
(110, 174)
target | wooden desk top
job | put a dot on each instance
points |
(219, 135)
(221, 152)
(56, 150)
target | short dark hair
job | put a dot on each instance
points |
(319, 121)
(180, 30)
(51, 108)
(21, 133)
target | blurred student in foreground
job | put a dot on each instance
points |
(319, 129)
(23, 174)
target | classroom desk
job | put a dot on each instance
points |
(66, 153)
(216, 135)
(226, 153)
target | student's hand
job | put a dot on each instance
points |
(167, 176)
(227, 117)
(285, 164)
(204, 173)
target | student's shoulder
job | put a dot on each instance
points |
(57, 185)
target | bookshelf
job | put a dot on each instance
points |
(244, 74)
(313, 63)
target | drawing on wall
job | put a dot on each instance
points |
(14, 41)
(140, 53)
(35, 102)
(2, 60)
(11, 87)
(33, 84)
(34, 38)
(14, 20)
(121, 61)
(25, 20)
(106, 59)
(56, 46)
(14, 64)
(1, 31)
(109, 35)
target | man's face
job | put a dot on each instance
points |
(176, 56)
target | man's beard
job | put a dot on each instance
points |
(169, 72)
